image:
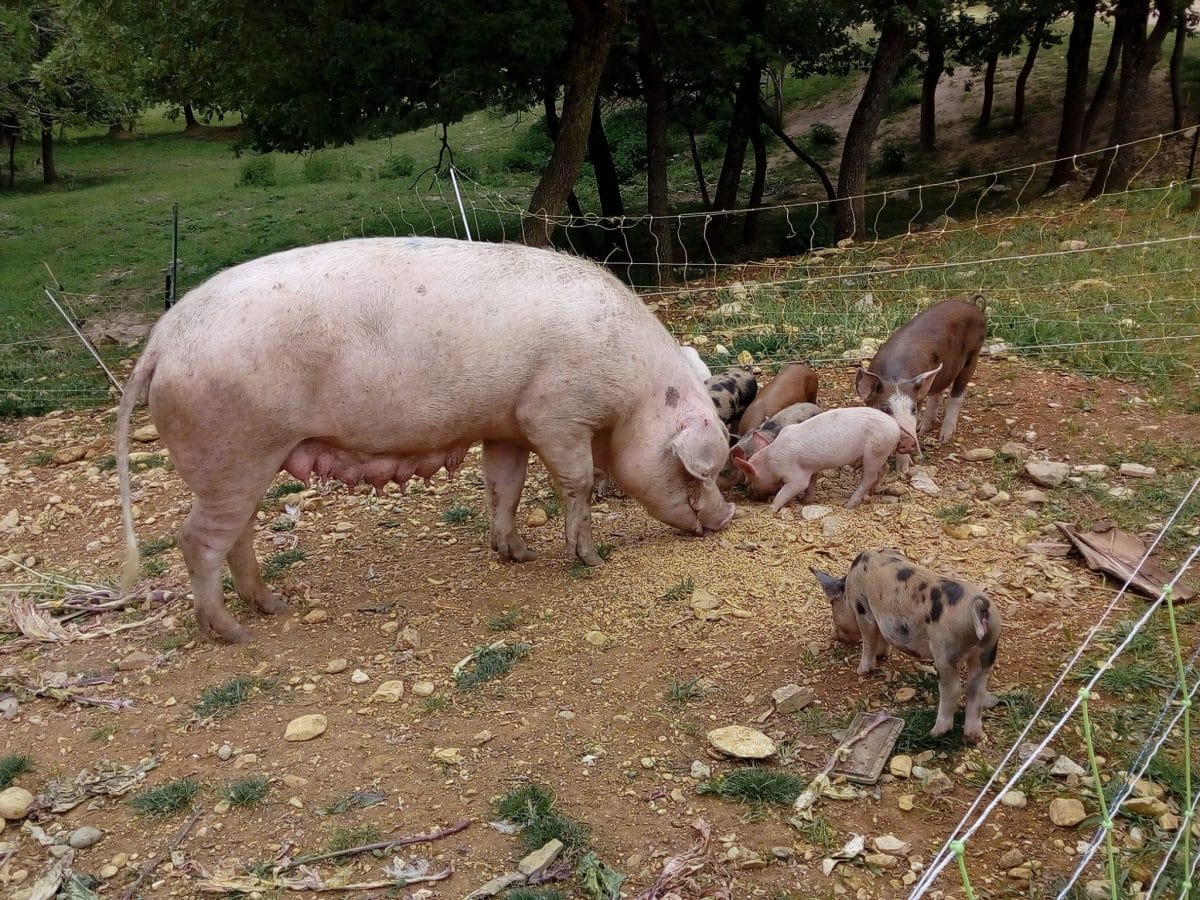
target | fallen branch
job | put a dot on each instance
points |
(378, 845)
(158, 860)
(310, 880)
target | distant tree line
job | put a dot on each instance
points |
(306, 74)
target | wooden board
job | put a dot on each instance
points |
(868, 756)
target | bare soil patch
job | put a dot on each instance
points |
(592, 719)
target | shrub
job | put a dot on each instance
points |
(893, 157)
(531, 150)
(822, 135)
(626, 130)
(258, 171)
(905, 92)
(322, 167)
(397, 165)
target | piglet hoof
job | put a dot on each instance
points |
(865, 669)
(973, 735)
(270, 604)
(852, 502)
(940, 728)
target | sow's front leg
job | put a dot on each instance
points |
(504, 468)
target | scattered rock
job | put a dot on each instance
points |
(295, 781)
(889, 843)
(336, 666)
(389, 692)
(109, 871)
(224, 752)
(880, 860)
(1136, 470)
(905, 694)
(135, 661)
(68, 455)
(1097, 889)
(1020, 873)
(783, 852)
(1088, 283)
(410, 637)
(447, 756)
(496, 886)
(313, 616)
(1014, 450)
(1012, 859)
(1015, 800)
(901, 765)
(423, 689)
(815, 511)
(1073, 245)
(791, 698)
(10, 521)
(1066, 812)
(358, 676)
(1047, 473)
(246, 759)
(1144, 806)
(1064, 766)
(597, 638)
(700, 771)
(1032, 497)
(305, 728)
(537, 517)
(987, 491)
(905, 802)
(9, 707)
(85, 836)
(145, 434)
(1168, 821)
(831, 525)
(938, 782)
(741, 742)
(1143, 787)
(15, 803)
(540, 859)
(979, 454)
(921, 479)
(958, 532)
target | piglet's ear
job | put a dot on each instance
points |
(834, 588)
(701, 446)
(866, 384)
(923, 382)
(758, 441)
(744, 464)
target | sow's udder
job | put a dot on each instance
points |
(315, 457)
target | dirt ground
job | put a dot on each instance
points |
(587, 712)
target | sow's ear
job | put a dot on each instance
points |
(834, 588)
(701, 447)
(867, 384)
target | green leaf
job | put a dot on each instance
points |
(597, 880)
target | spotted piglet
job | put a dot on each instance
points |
(886, 598)
(732, 391)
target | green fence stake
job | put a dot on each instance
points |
(1105, 820)
(1186, 703)
(957, 848)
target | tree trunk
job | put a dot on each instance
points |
(49, 172)
(701, 182)
(189, 118)
(758, 186)
(1102, 86)
(989, 90)
(894, 43)
(1035, 44)
(608, 186)
(592, 33)
(654, 88)
(817, 168)
(935, 64)
(1181, 29)
(1139, 54)
(1074, 104)
(549, 103)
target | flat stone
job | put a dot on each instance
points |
(539, 859)
(358, 676)
(9, 707)
(1020, 873)
(135, 661)
(741, 742)
(1012, 859)
(905, 802)
(1098, 469)
(814, 512)
(597, 638)
(889, 843)
(905, 694)
(958, 532)
(68, 455)
(901, 765)
(109, 871)
(1097, 889)
(1015, 800)
(423, 689)
(246, 759)
(336, 666)
(1014, 450)
(1064, 765)
(295, 781)
(1135, 470)
(979, 454)
(1032, 497)
(1144, 806)
(880, 860)
(986, 491)
(1143, 787)
(85, 836)
(389, 692)
(496, 886)
(305, 728)
(700, 771)
(224, 753)
(920, 478)
(1073, 245)
(1066, 812)
(791, 698)
(313, 616)
(1047, 473)
(830, 526)
(145, 434)
(15, 803)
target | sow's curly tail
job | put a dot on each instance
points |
(138, 382)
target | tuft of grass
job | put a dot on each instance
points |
(223, 699)
(490, 663)
(153, 461)
(156, 546)
(817, 832)
(506, 621)
(166, 799)
(12, 767)
(457, 515)
(535, 894)
(1130, 676)
(106, 463)
(40, 458)
(532, 806)
(283, 489)
(154, 567)
(277, 564)
(684, 692)
(555, 826)
(283, 523)
(681, 590)
(954, 514)
(341, 839)
(103, 735)
(915, 737)
(248, 791)
(756, 786)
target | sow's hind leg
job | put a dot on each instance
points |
(247, 576)
(504, 468)
(566, 449)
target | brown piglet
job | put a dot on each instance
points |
(795, 383)
(935, 350)
(886, 598)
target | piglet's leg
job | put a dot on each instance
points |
(789, 491)
(504, 468)
(949, 688)
(979, 697)
(872, 640)
(873, 467)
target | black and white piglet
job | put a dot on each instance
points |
(886, 598)
(732, 392)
